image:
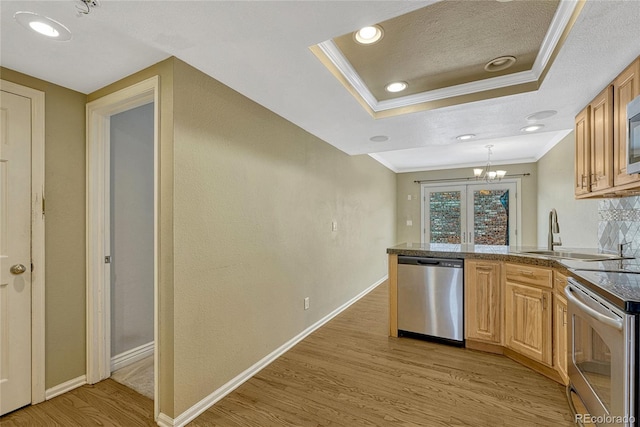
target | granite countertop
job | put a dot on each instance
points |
(616, 280)
(487, 252)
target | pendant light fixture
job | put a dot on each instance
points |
(487, 174)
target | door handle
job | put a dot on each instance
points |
(614, 323)
(17, 269)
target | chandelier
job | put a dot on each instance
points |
(487, 174)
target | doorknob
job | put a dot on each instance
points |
(17, 269)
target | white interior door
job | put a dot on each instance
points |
(15, 252)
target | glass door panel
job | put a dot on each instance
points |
(445, 223)
(592, 357)
(444, 216)
(490, 219)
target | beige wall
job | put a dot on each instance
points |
(578, 219)
(411, 210)
(254, 199)
(65, 231)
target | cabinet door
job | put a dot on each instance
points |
(482, 301)
(528, 321)
(560, 336)
(602, 140)
(583, 153)
(625, 88)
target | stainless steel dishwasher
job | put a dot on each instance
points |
(430, 299)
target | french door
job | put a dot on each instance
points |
(478, 214)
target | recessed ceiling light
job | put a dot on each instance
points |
(532, 128)
(369, 35)
(43, 25)
(500, 63)
(396, 87)
(541, 115)
(465, 137)
(379, 138)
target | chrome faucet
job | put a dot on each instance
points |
(553, 228)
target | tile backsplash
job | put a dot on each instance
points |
(619, 221)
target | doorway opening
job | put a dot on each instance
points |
(131, 248)
(122, 236)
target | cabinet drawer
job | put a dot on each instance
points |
(559, 282)
(529, 275)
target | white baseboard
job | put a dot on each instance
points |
(164, 420)
(130, 356)
(197, 409)
(65, 387)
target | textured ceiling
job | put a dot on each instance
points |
(449, 43)
(261, 50)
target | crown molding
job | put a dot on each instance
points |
(523, 79)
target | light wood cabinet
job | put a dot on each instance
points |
(626, 87)
(601, 119)
(601, 140)
(583, 153)
(560, 326)
(528, 312)
(483, 301)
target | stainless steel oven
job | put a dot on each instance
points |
(602, 351)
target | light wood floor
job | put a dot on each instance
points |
(348, 373)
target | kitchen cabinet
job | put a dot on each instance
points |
(626, 87)
(528, 311)
(601, 123)
(483, 301)
(583, 152)
(601, 140)
(560, 326)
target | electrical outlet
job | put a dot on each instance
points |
(409, 223)
(409, 197)
(306, 303)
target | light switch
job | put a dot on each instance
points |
(409, 223)
(334, 225)
(409, 197)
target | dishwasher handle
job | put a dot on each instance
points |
(427, 261)
(431, 262)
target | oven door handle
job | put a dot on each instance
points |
(614, 323)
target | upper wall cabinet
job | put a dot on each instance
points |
(583, 153)
(601, 139)
(625, 88)
(601, 113)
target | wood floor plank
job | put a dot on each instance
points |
(350, 372)
(347, 373)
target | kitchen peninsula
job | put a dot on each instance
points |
(514, 297)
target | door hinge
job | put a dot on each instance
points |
(42, 205)
(32, 267)
(107, 260)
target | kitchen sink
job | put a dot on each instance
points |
(575, 255)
